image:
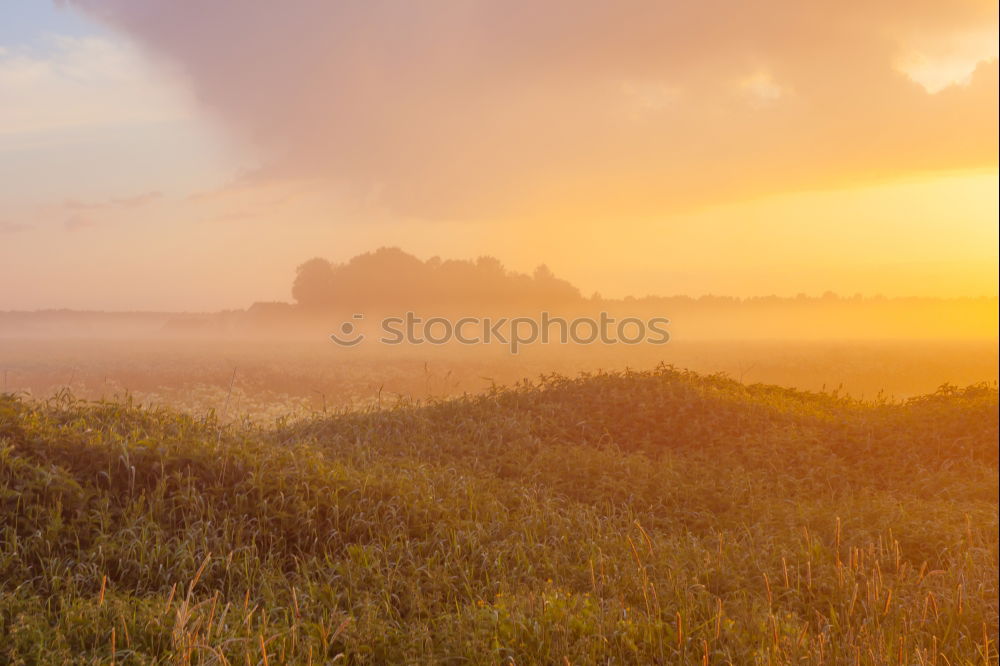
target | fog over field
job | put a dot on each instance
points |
(499, 332)
(280, 355)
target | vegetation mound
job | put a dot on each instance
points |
(615, 518)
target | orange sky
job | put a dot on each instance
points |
(188, 155)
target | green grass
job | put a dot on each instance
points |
(656, 517)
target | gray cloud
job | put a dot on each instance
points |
(12, 227)
(135, 201)
(451, 108)
(78, 223)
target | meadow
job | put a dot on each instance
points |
(656, 516)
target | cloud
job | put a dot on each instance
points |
(941, 61)
(582, 108)
(117, 203)
(137, 200)
(762, 88)
(79, 223)
(240, 215)
(12, 227)
(77, 82)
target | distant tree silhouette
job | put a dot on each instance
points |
(314, 282)
(553, 287)
(390, 279)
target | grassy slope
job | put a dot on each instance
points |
(614, 518)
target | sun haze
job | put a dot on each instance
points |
(203, 150)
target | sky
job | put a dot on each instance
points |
(182, 155)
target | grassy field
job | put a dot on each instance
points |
(654, 517)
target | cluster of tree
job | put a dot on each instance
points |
(389, 279)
